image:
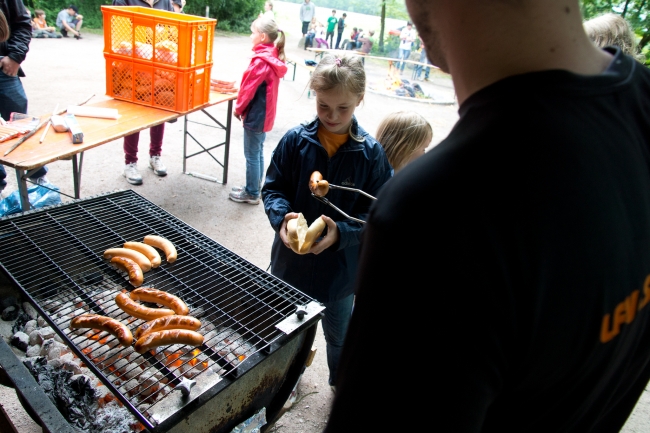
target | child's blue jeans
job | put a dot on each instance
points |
(335, 326)
(254, 153)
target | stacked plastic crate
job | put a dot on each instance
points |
(158, 58)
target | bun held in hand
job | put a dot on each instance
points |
(302, 236)
(317, 185)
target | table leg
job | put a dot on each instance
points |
(226, 150)
(21, 175)
(184, 144)
(76, 173)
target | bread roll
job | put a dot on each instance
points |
(301, 236)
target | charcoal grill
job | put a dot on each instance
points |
(258, 330)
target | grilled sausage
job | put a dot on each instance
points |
(163, 244)
(139, 258)
(136, 278)
(147, 294)
(149, 251)
(112, 326)
(168, 322)
(317, 185)
(140, 311)
(165, 338)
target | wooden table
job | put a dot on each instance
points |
(32, 155)
(319, 52)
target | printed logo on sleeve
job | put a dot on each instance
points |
(624, 313)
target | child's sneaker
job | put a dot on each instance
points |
(243, 197)
(157, 166)
(132, 174)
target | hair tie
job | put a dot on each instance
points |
(279, 31)
(337, 61)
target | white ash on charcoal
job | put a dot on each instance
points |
(30, 311)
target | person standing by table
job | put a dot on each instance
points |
(406, 37)
(531, 278)
(307, 12)
(257, 103)
(340, 28)
(331, 24)
(156, 133)
(423, 59)
(13, 50)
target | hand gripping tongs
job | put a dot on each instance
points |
(320, 187)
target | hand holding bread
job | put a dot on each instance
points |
(300, 235)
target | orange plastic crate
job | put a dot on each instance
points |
(168, 88)
(157, 36)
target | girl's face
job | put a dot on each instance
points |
(257, 37)
(335, 108)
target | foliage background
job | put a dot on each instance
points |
(236, 15)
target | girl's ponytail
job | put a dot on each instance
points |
(280, 46)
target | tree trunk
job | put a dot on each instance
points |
(382, 27)
(627, 2)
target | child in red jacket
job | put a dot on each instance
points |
(257, 102)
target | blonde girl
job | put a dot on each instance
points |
(257, 102)
(345, 154)
(404, 135)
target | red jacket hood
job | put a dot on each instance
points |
(269, 53)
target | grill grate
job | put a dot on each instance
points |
(55, 256)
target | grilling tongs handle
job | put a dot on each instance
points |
(345, 188)
(329, 203)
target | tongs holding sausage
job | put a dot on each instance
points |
(320, 187)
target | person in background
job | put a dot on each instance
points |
(268, 11)
(13, 51)
(404, 135)
(354, 35)
(345, 154)
(156, 133)
(69, 21)
(340, 28)
(257, 103)
(319, 38)
(311, 33)
(331, 24)
(533, 269)
(406, 38)
(423, 59)
(178, 5)
(40, 29)
(366, 42)
(613, 29)
(307, 12)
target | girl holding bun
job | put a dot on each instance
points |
(405, 135)
(345, 154)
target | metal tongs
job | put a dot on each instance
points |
(345, 188)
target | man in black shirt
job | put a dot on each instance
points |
(504, 277)
(340, 27)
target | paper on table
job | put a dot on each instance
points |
(100, 112)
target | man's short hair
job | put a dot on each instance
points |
(344, 14)
(333, 11)
(74, 8)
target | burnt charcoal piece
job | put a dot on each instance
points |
(10, 314)
(8, 301)
(74, 398)
(20, 340)
(19, 324)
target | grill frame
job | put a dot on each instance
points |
(139, 212)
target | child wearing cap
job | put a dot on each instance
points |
(69, 21)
